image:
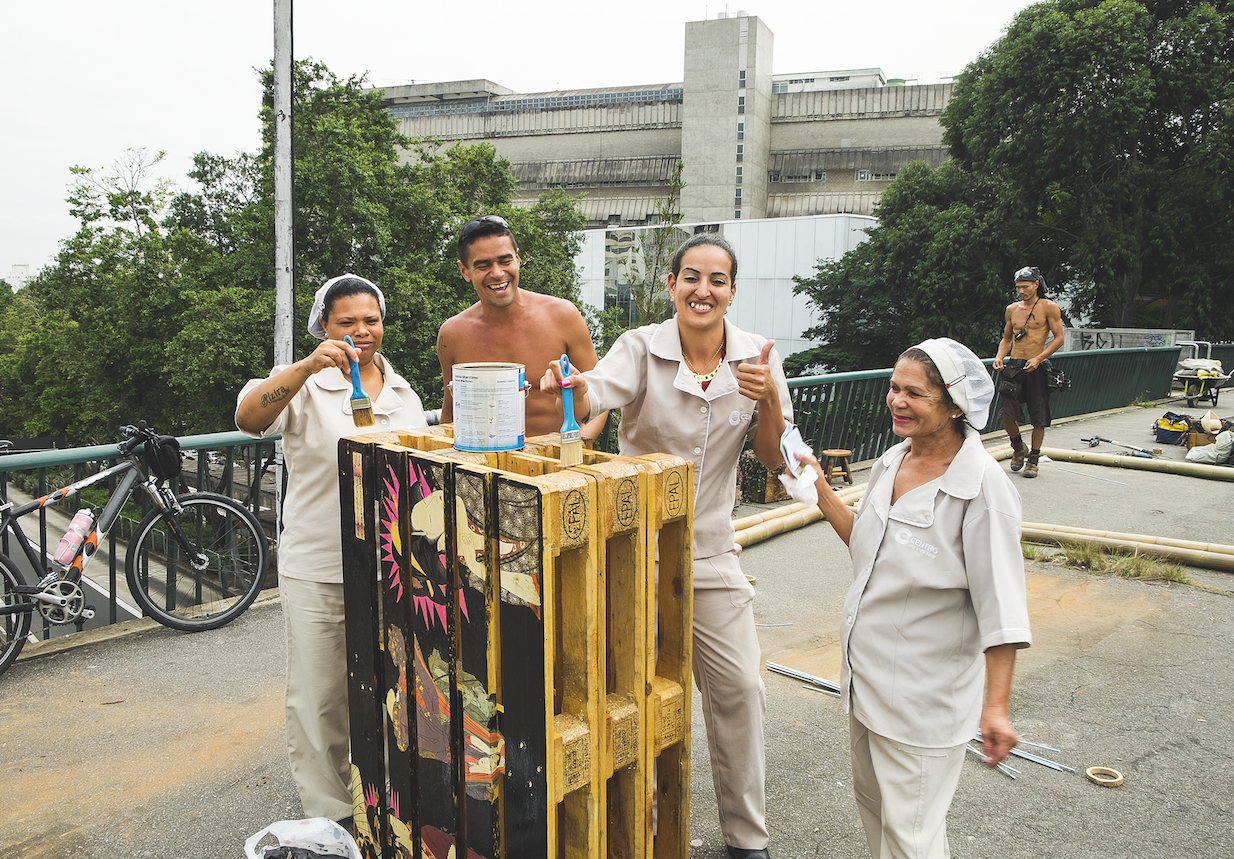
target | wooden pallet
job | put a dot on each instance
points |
(509, 700)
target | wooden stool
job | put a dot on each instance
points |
(836, 463)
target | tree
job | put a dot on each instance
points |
(91, 357)
(1107, 124)
(160, 306)
(935, 266)
(1094, 140)
(360, 207)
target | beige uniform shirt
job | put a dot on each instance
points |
(939, 578)
(311, 544)
(665, 410)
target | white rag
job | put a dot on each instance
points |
(801, 487)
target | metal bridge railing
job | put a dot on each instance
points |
(848, 410)
(230, 464)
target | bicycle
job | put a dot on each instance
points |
(194, 562)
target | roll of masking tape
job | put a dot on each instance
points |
(1104, 776)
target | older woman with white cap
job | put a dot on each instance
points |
(309, 403)
(937, 603)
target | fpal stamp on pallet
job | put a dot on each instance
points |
(508, 697)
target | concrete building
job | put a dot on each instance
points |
(19, 276)
(788, 167)
(753, 143)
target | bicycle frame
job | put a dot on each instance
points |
(131, 474)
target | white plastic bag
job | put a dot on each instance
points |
(319, 834)
(1217, 453)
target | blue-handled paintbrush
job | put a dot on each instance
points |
(571, 435)
(361, 408)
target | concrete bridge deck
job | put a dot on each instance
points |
(158, 743)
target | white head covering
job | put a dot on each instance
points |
(966, 379)
(319, 300)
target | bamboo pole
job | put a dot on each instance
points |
(767, 515)
(1168, 466)
(1169, 542)
(849, 495)
(1189, 557)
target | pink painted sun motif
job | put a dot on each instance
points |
(391, 541)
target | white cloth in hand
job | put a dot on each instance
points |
(802, 487)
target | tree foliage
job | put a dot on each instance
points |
(1094, 140)
(161, 305)
(934, 266)
(1108, 127)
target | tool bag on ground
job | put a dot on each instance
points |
(1172, 428)
(163, 456)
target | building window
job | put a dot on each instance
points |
(741, 151)
(841, 78)
(779, 87)
(741, 104)
(737, 198)
(741, 79)
(813, 176)
(737, 213)
(739, 175)
(867, 176)
(741, 131)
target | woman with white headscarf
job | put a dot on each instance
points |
(309, 403)
(937, 603)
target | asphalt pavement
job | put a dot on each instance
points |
(141, 741)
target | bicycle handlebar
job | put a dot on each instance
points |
(134, 436)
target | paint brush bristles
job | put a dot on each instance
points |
(361, 408)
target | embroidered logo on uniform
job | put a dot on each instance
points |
(735, 417)
(905, 538)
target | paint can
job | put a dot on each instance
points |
(489, 406)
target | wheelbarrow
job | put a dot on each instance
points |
(1198, 375)
(1200, 384)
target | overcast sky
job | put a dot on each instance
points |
(81, 81)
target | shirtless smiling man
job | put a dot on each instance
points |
(1024, 337)
(511, 325)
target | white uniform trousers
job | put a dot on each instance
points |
(726, 670)
(903, 793)
(318, 738)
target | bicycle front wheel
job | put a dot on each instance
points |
(14, 623)
(213, 586)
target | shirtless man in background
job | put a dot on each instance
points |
(511, 325)
(1024, 337)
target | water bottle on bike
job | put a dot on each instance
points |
(79, 529)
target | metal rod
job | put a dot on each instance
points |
(1010, 772)
(1022, 742)
(821, 682)
(1029, 756)
(1093, 476)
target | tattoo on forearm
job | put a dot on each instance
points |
(271, 397)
